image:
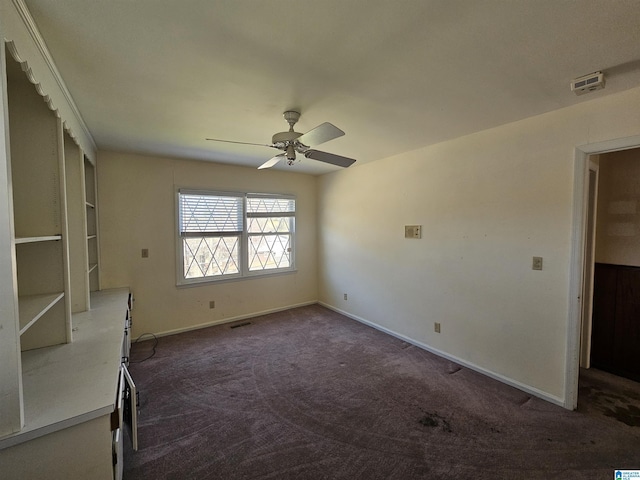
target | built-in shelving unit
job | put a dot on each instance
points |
(92, 225)
(77, 225)
(39, 214)
(64, 409)
(60, 356)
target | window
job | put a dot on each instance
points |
(231, 235)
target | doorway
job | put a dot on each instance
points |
(586, 253)
(615, 313)
(583, 258)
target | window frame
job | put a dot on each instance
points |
(243, 244)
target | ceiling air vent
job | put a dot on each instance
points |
(588, 83)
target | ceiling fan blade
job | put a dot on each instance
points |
(320, 134)
(241, 143)
(329, 158)
(271, 162)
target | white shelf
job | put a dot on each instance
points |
(32, 307)
(91, 237)
(47, 238)
(90, 205)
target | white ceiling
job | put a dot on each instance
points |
(158, 76)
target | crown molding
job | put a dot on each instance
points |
(24, 66)
(32, 28)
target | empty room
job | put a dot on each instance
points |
(281, 239)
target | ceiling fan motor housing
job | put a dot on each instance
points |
(285, 137)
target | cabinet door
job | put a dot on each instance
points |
(118, 451)
(130, 407)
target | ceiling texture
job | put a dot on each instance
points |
(159, 76)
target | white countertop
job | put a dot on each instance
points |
(68, 384)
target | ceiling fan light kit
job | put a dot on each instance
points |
(292, 143)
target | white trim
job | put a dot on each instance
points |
(576, 271)
(472, 366)
(576, 268)
(32, 28)
(231, 319)
(587, 283)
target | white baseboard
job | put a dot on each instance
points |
(232, 319)
(496, 376)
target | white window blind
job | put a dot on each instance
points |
(218, 214)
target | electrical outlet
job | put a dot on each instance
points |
(537, 263)
(345, 296)
(212, 304)
(145, 253)
(436, 327)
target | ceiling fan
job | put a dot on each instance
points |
(293, 143)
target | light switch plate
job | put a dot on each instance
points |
(413, 231)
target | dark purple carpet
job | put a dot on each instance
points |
(310, 394)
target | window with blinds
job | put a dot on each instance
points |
(227, 235)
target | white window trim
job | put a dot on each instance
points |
(244, 272)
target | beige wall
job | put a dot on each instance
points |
(618, 214)
(488, 203)
(137, 210)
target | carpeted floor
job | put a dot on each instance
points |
(310, 394)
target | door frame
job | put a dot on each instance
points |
(589, 265)
(578, 256)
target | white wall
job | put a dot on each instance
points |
(618, 219)
(137, 210)
(488, 202)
